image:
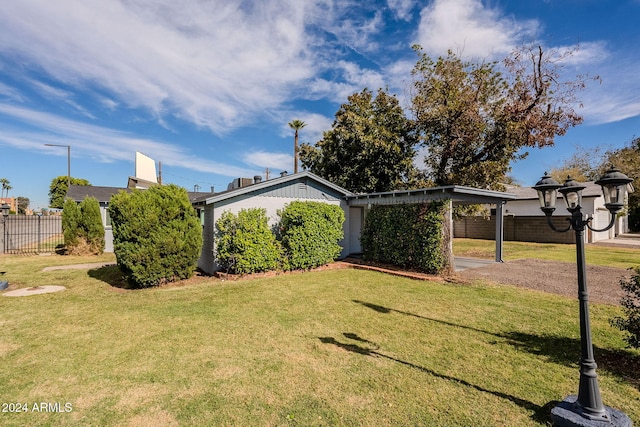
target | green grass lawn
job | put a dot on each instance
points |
(597, 255)
(337, 347)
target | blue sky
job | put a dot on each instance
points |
(208, 87)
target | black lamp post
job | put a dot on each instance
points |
(586, 409)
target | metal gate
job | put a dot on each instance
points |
(30, 234)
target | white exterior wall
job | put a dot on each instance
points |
(591, 206)
(108, 230)
(272, 204)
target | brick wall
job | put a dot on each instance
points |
(516, 228)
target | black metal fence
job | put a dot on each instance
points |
(30, 234)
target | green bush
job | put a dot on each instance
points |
(310, 232)
(631, 306)
(82, 227)
(70, 220)
(245, 243)
(157, 237)
(409, 236)
(91, 224)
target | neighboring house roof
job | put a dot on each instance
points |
(529, 193)
(103, 194)
(456, 193)
(263, 185)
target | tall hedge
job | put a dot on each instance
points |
(409, 236)
(157, 236)
(245, 243)
(82, 227)
(70, 227)
(91, 224)
(310, 232)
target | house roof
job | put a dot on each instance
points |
(456, 193)
(224, 195)
(103, 194)
(529, 193)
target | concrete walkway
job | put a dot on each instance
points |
(462, 263)
(627, 240)
(36, 290)
(78, 266)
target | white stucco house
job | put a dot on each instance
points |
(273, 195)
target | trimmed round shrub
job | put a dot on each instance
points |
(157, 236)
(245, 244)
(310, 232)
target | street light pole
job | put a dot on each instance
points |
(68, 161)
(586, 409)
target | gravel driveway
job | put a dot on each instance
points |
(553, 276)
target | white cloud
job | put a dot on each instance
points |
(401, 8)
(275, 161)
(11, 93)
(211, 63)
(469, 28)
(315, 124)
(99, 143)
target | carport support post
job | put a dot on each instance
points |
(499, 230)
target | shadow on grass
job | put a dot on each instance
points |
(559, 349)
(541, 414)
(111, 275)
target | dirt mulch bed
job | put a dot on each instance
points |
(556, 277)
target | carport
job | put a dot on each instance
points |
(456, 194)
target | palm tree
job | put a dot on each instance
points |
(5, 187)
(296, 125)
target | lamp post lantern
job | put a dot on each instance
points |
(68, 161)
(585, 409)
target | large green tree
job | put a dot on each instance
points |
(370, 147)
(474, 119)
(59, 187)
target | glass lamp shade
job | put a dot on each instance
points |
(572, 193)
(547, 189)
(615, 186)
(5, 209)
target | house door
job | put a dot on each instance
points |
(356, 218)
